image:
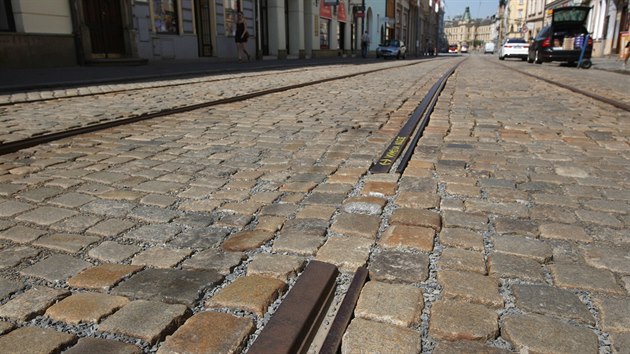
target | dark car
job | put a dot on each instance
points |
(392, 49)
(564, 39)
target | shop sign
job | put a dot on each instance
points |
(341, 12)
(325, 11)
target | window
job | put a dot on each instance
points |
(323, 33)
(6, 17)
(165, 16)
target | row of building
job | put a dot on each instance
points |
(608, 23)
(85, 32)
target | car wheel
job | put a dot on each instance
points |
(537, 59)
(523, 59)
(398, 55)
(530, 59)
(501, 57)
(586, 64)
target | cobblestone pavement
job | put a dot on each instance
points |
(507, 232)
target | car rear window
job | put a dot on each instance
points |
(515, 40)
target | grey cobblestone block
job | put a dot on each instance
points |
(464, 220)
(612, 258)
(56, 268)
(580, 276)
(28, 340)
(454, 320)
(10, 208)
(357, 225)
(214, 259)
(615, 313)
(46, 215)
(366, 336)
(8, 287)
(110, 227)
(168, 285)
(346, 253)
(38, 195)
(111, 208)
(160, 233)
(77, 224)
(71, 200)
(70, 243)
(548, 300)
(471, 287)
(278, 266)
(31, 303)
(150, 321)
(397, 266)
(12, 256)
(524, 247)
(153, 215)
(466, 346)
(509, 266)
(161, 257)
(512, 226)
(111, 251)
(298, 243)
(199, 237)
(464, 260)
(396, 304)
(97, 345)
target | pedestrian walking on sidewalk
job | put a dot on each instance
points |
(365, 43)
(626, 54)
(241, 36)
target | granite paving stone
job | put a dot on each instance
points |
(46, 215)
(56, 268)
(325, 198)
(168, 285)
(5, 327)
(75, 224)
(31, 303)
(207, 205)
(236, 221)
(408, 237)
(464, 220)
(396, 304)
(197, 237)
(546, 335)
(122, 195)
(284, 210)
(471, 287)
(29, 340)
(564, 232)
(8, 287)
(251, 293)
(12, 207)
(612, 258)
(7, 190)
(599, 218)
(579, 276)
(379, 188)
(110, 227)
(323, 212)
(161, 257)
(548, 300)
(5, 224)
(247, 240)
(153, 214)
(159, 187)
(316, 227)
(512, 226)
(39, 195)
(464, 260)
(103, 277)
(364, 336)
(298, 243)
(158, 200)
(111, 208)
(466, 346)
(104, 346)
(214, 259)
(620, 342)
(270, 223)
(278, 266)
(417, 200)
(85, 307)
(549, 214)
(614, 312)
(209, 332)
(150, 321)
(12, 256)
(347, 253)
(523, 246)
(364, 205)
(70, 243)
(508, 266)
(399, 266)
(462, 238)
(416, 217)
(71, 200)
(454, 320)
(157, 233)
(111, 251)
(356, 225)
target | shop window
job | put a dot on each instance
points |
(7, 23)
(165, 16)
(324, 34)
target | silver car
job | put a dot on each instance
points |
(392, 49)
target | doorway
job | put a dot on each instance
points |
(204, 28)
(264, 27)
(103, 18)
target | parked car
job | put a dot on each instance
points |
(564, 38)
(514, 48)
(392, 49)
(464, 48)
(488, 48)
(452, 48)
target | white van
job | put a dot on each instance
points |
(489, 48)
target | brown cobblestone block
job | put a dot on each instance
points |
(31, 303)
(270, 223)
(104, 346)
(278, 266)
(247, 208)
(465, 220)
(506, 195)
(546, 214)
(508, 226)
(111, 227)
(70, 243)
(76, 224)
(547, 300)
(397, 266)
(46, 215)
(471, 287)
(379, 188)
(325, 198)
(5, 327)
(396, 304)
(103, 276)
(464, 260)
(85, 307)
(599, 218)
(454, 321)
(418, 200)
(122, 195)
(324, 212)
(541, 334)
(452, 205)
(206, 205)
(298, 187)
(209, 332)
(250, 293)
(515, 210)
(21, 234)
(620, 342)
(359, 225)
(284, 210)
(564, 232)
(365, 205)
(346, 253)
(150, 321)
(364, 336)
(305, 245)
(29, 340)
(416, 217)
(615, 313)
(462, 238)
(111, 251)
(161, 257)
(614, 259)
(463, 190)
(503, 265)
(524, 247)
(466, 346)
(578, 276)
(158, 200)
(408, 237)
(247, 240)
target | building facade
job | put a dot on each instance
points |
(475, 32)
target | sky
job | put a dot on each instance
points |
(478, 8)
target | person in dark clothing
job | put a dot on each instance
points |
(241, 36)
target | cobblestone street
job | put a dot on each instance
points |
(507, 232)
